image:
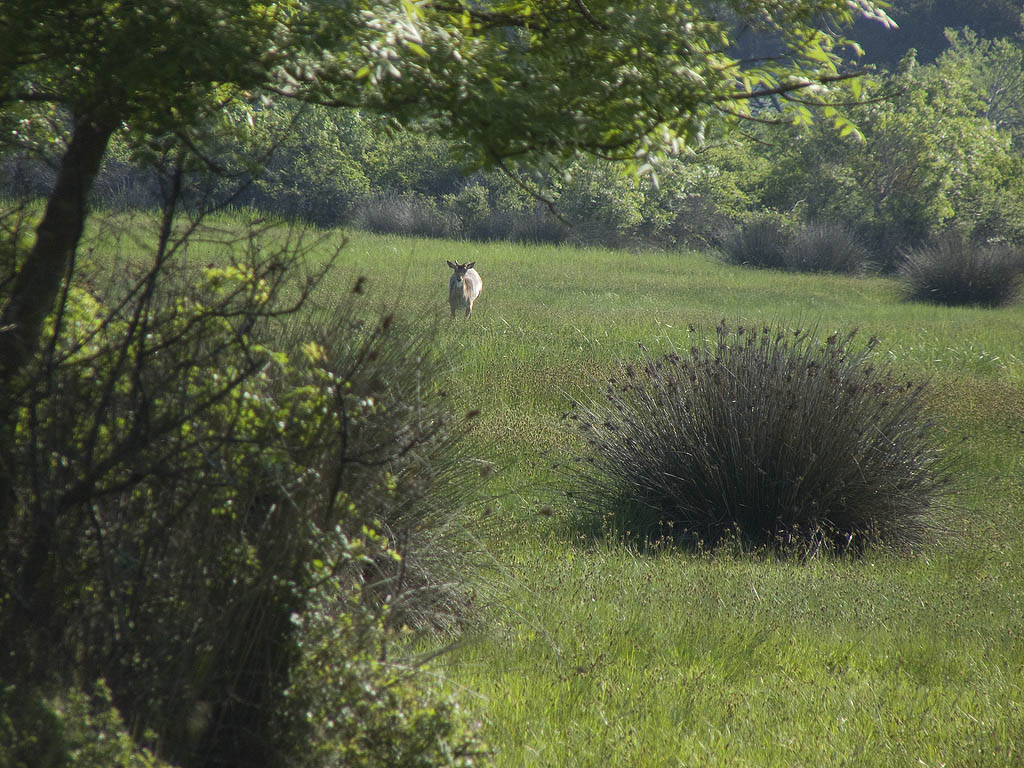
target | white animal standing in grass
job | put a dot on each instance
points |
(464, 287)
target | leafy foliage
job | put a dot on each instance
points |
(933, 158)
(73, 728)
(397, 454)
(359, 707)
(995, 68)
(179, 486)
(766, 434)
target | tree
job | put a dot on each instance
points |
(995, 71)
(938, 154)
(526, 79)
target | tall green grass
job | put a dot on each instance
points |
(594, 655)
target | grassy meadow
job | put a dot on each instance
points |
(589, 654)
(595, 655)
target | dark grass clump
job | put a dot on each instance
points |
(408, 214)
(397, 452)
(826, 246)
(954, 272)
(763, 243)
(767, 435)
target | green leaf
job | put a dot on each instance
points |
(417, 49)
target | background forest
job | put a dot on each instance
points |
(940, 148)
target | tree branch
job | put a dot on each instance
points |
(787, 88)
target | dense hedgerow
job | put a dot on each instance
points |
(955, 272)
(766, 434)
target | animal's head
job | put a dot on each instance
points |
(460, 270)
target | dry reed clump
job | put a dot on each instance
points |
(954, 272)
(409, 214)
(767, 435)
(818, 246)
(763, 243)
(826, 246)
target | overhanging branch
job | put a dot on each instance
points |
(788, 87)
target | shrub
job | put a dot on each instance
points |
(954, 272)
(763, 243)
(470, 208)
(356, 707)
(26, 177)
(398, 455)
(697, 223)
(825, 246)
(770, 243)
(769, 435)
(403, 214)
(184, 495)
(73, 728)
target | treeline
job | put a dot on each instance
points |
(942, 148)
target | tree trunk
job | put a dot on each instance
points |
(34, 291)
(37, 283)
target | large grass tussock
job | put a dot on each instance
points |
(770, 435)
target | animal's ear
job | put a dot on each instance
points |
(471, 265)
(453, 266)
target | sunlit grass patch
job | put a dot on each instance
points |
(594, 655)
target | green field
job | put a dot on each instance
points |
(594, 655)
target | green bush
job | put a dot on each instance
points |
(356, 706)
(697, 222)
(73, 728)
(769, 435)
(400, 457)
(954, 272)
(179, 485)
(470, 208)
